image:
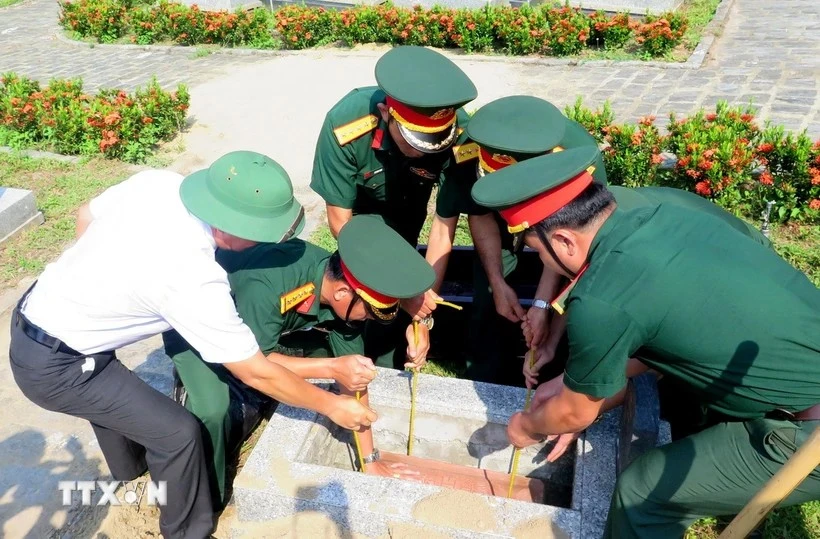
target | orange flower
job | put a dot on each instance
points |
(766, 178)
(703, 188)
(815, 204)
(766, 147)
(711, 117)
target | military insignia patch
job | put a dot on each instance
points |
(295, 297)
(423, 173)
(465, 152)
(355, 129)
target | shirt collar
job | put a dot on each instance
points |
(323, 313)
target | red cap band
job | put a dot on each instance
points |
(527, 213)
(374, 298)
(416, 121)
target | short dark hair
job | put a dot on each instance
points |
(583, 210)
(334, 267)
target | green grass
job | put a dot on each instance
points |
(700, 13)
(60, 189)
(5, 3)
(800, 246)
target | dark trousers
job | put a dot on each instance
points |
(137, 427)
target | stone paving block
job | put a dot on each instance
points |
(18, 211)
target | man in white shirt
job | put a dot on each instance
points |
(143, 264)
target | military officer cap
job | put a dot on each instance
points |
(527, 193)
(424, 89)
(381, 266)
(513, 129)
(247, 195)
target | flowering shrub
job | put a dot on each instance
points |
(596, 122)
(569, 30)
(715, 154)
(791, 175)
(609, 32)
(659, 34)
(558, 30)
(633, 153)
(302, 28)
(62, 117)
(104, 19)
(721, 155)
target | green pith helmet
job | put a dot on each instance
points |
(424, 89)
(247, 195)
(380, 264)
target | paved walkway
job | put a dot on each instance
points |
(767, 53)
(275, 103)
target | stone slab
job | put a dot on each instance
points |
(18, 210)
(467, 478)
(277, 482)
(229, 5)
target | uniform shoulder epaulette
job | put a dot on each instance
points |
(355, 129)
(465, 152)
(296, 296)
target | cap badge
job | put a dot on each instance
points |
(505, 159)
(442, 114)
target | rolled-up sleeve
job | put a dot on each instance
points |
(601, 339)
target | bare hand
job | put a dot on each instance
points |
(398, 470)
(546, 391)
(518, 435)
(506, 303)
(562, 443)
(351, 414)
(420, 306)
(353, 371)
(543, 355)
(535, 326)
(417, 355)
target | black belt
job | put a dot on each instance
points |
(38, 335)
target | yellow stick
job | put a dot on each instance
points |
(448, 304)
(413, 394)
(358, 443)
(516, 451)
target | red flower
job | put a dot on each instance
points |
(766, 147)
(815, 204)
(766, 178)
(711, 117)
(703, 188)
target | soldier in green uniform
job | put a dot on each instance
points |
(382, 149)
(281, 290)
(685, 294)
(501, 133)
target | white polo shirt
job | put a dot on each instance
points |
(143, 266)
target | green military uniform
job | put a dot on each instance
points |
(277, 290)
(358, 166)
(511, 129)
(693, 299)
(261, 277)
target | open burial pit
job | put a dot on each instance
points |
(300, 478)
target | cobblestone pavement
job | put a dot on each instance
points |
(766, 53)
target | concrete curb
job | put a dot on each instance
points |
(695, 60)
(37, 154)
